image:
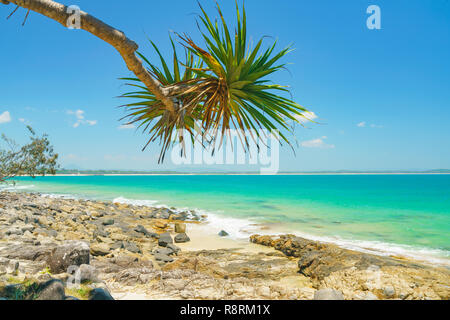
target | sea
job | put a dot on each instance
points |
(394, 214)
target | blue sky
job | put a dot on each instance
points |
(381, 96)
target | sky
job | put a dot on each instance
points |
(381, 96)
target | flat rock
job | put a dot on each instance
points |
(100, 249)
(165, 239)
(162, 257)
(182, 238)
(131, 246)
(328, 294)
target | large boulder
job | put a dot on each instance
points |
(51, 290)
(100, 294)
(71, 253)
(328, 294)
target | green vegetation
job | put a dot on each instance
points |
(35, 158)
(18, 289)
(82, 292)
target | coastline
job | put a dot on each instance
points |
(241, 228)
(249, 174)
(131, 245)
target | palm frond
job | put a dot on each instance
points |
(235, 92)
(225, 85)
(150, 114)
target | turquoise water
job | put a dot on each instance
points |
(398, 214)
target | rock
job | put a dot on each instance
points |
(180, 228)
(100, 232)
(108, 222)
(328, 294)
(174, 248)
(164, 251)
(165, 239)
(100, 294)
(14, 231)
(370, 296)
(162, 257)
(388, 291)
(100, 249)
(182, 238)
(71, 298)
(223, 233)
(71, 253)
(132, 247)
(141, 229)
(160, 224)
(26, 252)
(28, 227)
(125, 261)
(264, 292)
(164, 213)
(117, 245)
(51, 290)
(87, 273)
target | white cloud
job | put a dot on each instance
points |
(306, 117)
(317, 143)
(5, 117)
(364, 124)
(126, 126)
(21, 119)
(361, 124)
(79, 115)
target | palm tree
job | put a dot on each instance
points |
(222, 86)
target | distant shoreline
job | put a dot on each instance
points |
(246, 174)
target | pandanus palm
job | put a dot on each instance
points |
(224, 86)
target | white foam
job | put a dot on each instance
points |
(424, 254)
(59, 196)
(146, 203)
(10, 187)
(242, 228)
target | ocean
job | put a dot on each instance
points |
(405, 215)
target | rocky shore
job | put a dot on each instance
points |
(53, 248)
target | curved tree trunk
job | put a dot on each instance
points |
(114, 37)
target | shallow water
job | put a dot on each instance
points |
(396, 214)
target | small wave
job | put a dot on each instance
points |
(15, 187)
(59, 196)
(146, 203)
(435, 256)
(242, 228)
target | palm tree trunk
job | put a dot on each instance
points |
(114, 37)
